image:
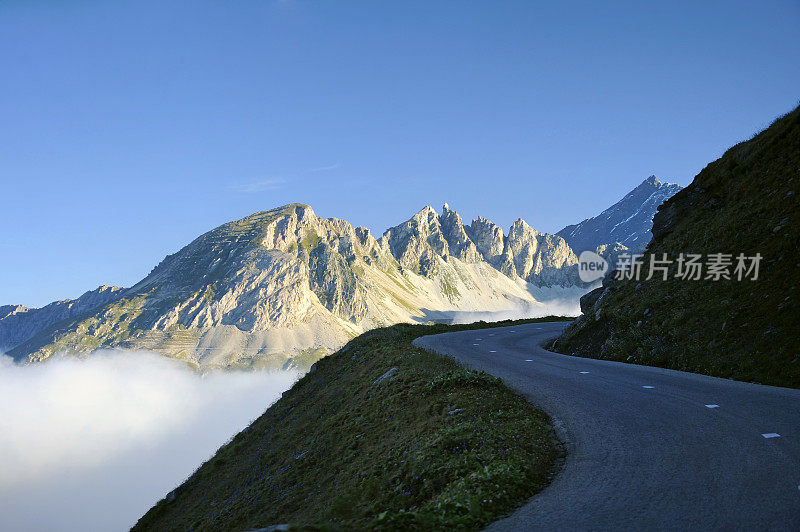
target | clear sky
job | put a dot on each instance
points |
(129, 128)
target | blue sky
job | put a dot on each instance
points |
(129, 128)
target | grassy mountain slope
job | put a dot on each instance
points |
(433, 445)
(744, 202)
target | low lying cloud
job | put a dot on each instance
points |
(554, 307)
(550, 301)
(92, 444)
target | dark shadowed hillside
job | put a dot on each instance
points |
(744, 202)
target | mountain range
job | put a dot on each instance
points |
(281, 288)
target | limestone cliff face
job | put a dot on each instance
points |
(488, 238)
(427, 235)
(539, 258)
(458, 242)
(417, 242)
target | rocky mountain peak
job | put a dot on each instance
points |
(265, 270)
(417, 242)
(488, 238)
(629, 221)
(539, 258)
(521, 229)
(459, 243)
(652, 181)
(105, 288)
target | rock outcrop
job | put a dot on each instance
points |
(416, 242)
(458, 243)
(488, 238)
(539, 258)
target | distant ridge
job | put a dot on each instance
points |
(19, 323)
(628, 221)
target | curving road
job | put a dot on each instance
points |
(648, 448)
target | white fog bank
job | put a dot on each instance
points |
(92, 444)
(551, 301)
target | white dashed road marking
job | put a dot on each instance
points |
(528, 360)
(492, 351)
(474, 344)
(712, 406)
(648, 387)
(771, 435)
(584, 372)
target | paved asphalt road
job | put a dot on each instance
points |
(648, 448)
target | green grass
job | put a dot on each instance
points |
(311, 240)
(209, 294)
(437, 446)
(745, 202)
